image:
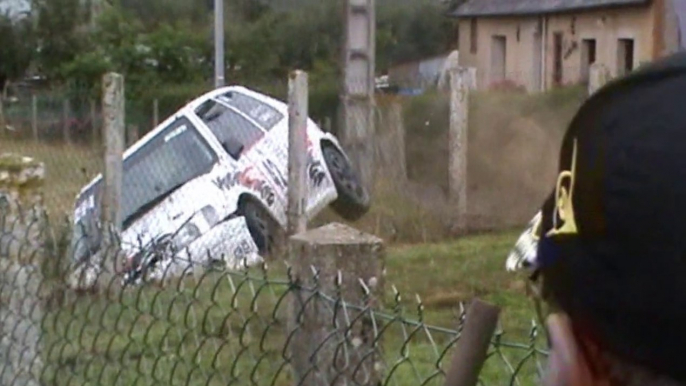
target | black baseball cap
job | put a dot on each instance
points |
(612, 246)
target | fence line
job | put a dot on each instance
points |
(220, 327)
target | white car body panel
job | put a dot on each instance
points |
(261, 172)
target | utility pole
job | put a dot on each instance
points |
(358, 85)
(218, 43)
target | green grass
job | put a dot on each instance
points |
(222, 328)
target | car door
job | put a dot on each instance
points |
(243, 140)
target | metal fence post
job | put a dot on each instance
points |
(297, 151)
(331, 343)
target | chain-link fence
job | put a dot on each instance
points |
(211, 326)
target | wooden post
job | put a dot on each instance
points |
(358, 90)
(66, 113)
(94, 123)
(34, 116)
(155, 113)
(297, 152)
(457, 142)
(598, 76)
(113, 134)
(329, 345)
(472, 347)
(133, 134)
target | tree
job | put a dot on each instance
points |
(61, 33)
(16, 48)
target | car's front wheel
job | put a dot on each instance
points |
(261, 226)
(353, 200)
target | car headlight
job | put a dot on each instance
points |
(186, 235)
(209, 213)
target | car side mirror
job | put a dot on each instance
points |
(233, 147)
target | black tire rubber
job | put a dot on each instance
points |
(260, 225)
(353, 200)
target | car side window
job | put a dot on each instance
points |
(265, 115)
(236, 133)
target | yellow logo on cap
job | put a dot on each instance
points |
(564, 206)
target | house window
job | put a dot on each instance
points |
(472, 36)
(498, 58)
(588, 57)
(557, 58)
(625, 56)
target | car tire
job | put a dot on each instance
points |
(260, 225)
(353, 200)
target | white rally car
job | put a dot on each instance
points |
(209, 185)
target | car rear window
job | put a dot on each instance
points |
(265, 115)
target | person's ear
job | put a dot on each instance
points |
(567, 364)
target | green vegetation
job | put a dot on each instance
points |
(230, 327)
(165, 51)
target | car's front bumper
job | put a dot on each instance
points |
(228, 243)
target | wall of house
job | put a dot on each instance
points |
(519, 58)
(605, 26)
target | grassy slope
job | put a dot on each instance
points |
(213, 332)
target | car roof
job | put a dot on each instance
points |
(190, 108)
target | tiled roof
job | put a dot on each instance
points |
(529, 7)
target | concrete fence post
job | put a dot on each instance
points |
(598, 76)
(329, 344)
(22, 248)
(457, 142)
(297, 151)
(114, 133)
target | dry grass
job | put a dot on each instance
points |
(68, 169)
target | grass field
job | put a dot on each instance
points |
(68, 169)
(229, 329)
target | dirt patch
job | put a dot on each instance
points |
(513, 149)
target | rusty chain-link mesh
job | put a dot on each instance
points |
(211, 327)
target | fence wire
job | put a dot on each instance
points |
(214, 326)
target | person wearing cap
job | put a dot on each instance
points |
(607, 250)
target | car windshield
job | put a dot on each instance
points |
(175, 156)
(265, 115)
